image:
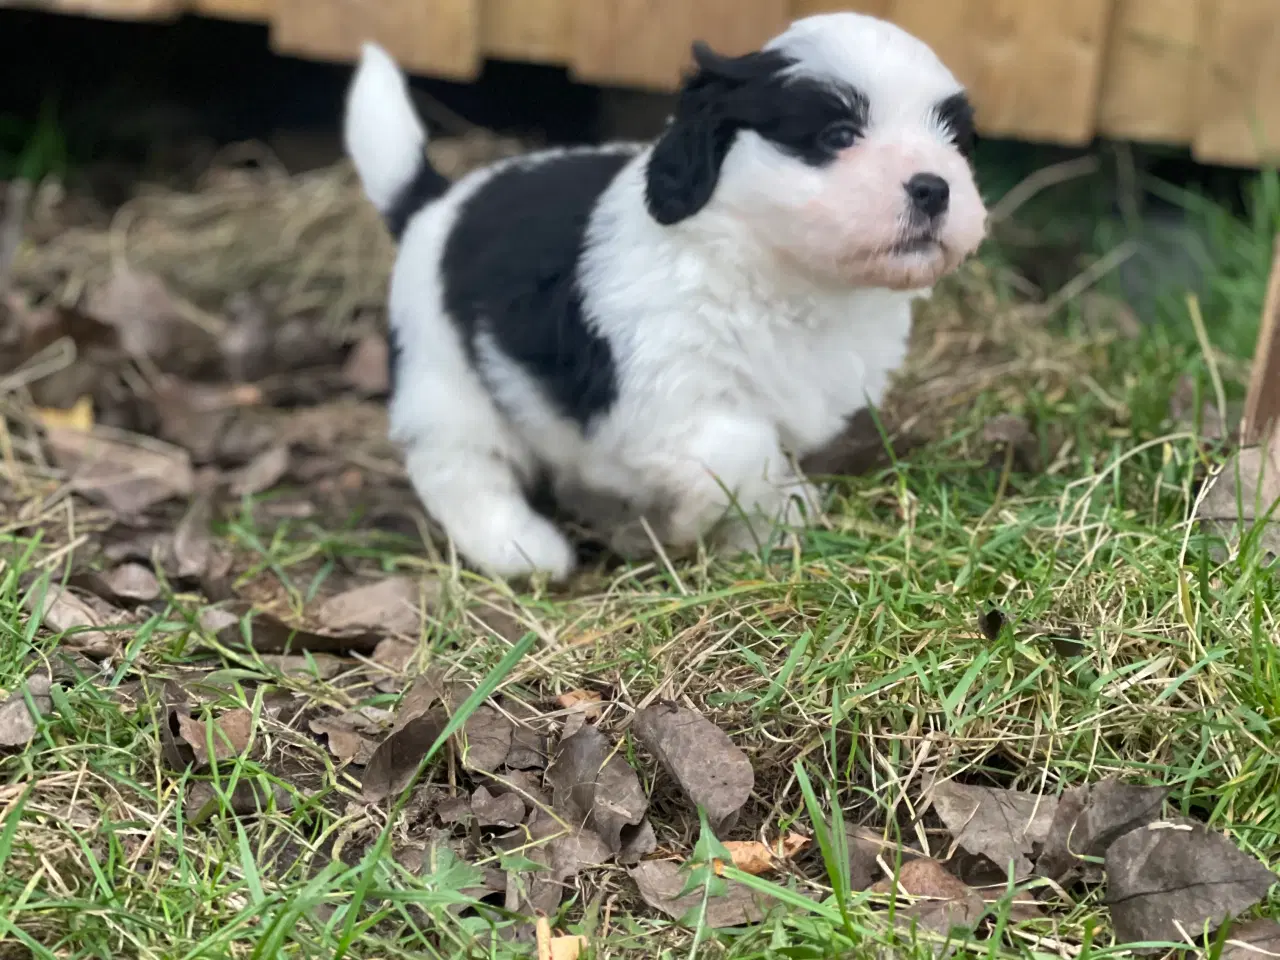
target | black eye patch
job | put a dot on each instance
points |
(956, 114)
(810, 119)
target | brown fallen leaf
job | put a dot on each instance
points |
(261, 473)
(945, 904)
(562, 854)
(1255, 940)
(1089, 819)
(485, 739)
(128, 475)
(318, 666)
(84, 619)
(132, 581)
(191, 550)
(1244, 492)
(17, 722)
(240, 624)
(593, 785)
(715, 773)
(586, 702)
(1007, 429)
(391, 605)
(750, 856)
(420, 720)
(1174, 877)
(660, 883)
(229, 734)
(247, 798)
(347, 742)
(866, 849)
(140, 308)
(368, 366)
(503, 810)
(1000, 825)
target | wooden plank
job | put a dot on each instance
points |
(1262, 404)
(1151, 72)
(249, 10)
(1239, 103)
(646, 43)
(434, 37)
(807, 8)
(107, 9)
(1032, 68)
(538, 31)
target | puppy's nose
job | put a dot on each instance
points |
(929, 193)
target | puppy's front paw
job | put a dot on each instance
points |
(526, 546)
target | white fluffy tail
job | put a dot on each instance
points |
(384, 136)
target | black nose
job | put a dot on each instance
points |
(929, 193)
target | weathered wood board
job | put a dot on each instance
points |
(440, 37)
(1239, 96)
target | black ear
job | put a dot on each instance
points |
(685, 164)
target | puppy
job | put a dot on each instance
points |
(665, 326)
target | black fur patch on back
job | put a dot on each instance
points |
(427, 184)
(510, 270)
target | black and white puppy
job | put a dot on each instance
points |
(666, 325)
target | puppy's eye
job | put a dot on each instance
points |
(839, 135)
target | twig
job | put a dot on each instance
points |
(1262, 404)
(17, 199)
(1041, 180)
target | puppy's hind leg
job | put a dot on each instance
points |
(475, 496)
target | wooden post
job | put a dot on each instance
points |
(1262, 406)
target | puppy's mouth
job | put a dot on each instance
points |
(916, 244)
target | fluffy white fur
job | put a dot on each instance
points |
(743, 335)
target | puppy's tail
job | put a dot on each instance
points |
(387, 142)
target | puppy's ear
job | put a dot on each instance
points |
(684, 166)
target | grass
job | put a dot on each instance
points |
(845, 670)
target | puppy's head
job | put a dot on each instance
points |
(842, 148)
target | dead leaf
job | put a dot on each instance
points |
(991, 622)
(1174, 876)
(750, 856)
(528, 749)
(866, 849)
(504, 810)
(563, 854)
(1001, 825)
(1255, 940)
(140, 308)
(245, 344)
(1244, 492)
(17, 722)
(593, 785)
(346, 742)
(485, 739)
(229, 733)
(247, 798)
(715, 774)
(78, 417)
(132, 581)
(128, 476)
(567, 948)
(261, 473)
(420, 721)
(191, 551)
(945, 902)
(83, 619)
(368, 367)
(660, 883)
(1090, 818)
(316, 666)
(269, 634)
(391, 605)
(1007, 429)
(586, 702)
(453, 810)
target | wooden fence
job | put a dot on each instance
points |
(1203, 73)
